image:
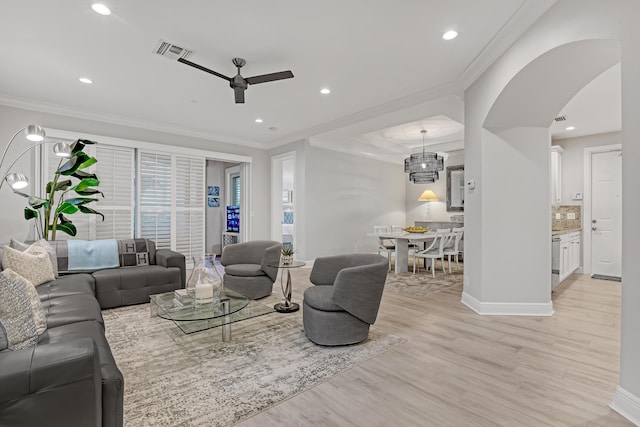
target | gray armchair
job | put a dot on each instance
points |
(246, 267)
(346, 298)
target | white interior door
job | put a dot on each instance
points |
(606, 213)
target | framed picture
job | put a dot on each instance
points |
(213, 190)
(213, 202)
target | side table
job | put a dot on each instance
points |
(287, 306)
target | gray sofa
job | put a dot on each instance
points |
(70, 377)
(344, 302)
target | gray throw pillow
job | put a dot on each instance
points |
(15, 244)
(16, 312)
(4, 340)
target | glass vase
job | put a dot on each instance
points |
(205, 283)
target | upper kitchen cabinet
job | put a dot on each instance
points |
(556, 174)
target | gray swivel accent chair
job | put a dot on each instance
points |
(246, 267)
(344, 302)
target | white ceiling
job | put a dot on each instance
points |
(375, 55)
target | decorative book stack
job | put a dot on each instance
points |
(182, 298)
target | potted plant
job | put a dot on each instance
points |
(287, 255)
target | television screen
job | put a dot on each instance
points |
(233, 219)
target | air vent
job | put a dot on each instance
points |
(172, 51)
(560, 118)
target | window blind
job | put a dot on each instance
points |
(235, 190)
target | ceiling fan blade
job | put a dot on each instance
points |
(239, 95)
(269, 77)
(200, 67)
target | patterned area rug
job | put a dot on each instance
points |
(423, 284)
(172, 379)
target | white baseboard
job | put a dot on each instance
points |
(627, 405)
(507, 308)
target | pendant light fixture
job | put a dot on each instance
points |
(423, 167)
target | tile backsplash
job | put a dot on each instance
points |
(566, 217)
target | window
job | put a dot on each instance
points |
(172, 201)
(235, 190)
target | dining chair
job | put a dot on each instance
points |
(452, 247)
(433, 252)
(385, 245)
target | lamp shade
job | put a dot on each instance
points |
(34, 133)
(427, 196)
(17, 180)
(62, 149)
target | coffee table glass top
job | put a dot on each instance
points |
(198, 317)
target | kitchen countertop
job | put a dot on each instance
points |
(564, 231)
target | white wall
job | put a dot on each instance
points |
(573, 162)
(13, 119)
(417, 211)
(346, 196)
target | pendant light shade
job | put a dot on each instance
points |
(423, 167)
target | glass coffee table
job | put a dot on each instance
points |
(230, 308)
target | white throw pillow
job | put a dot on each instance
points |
(34, 299)
(42, 243)
(34, 266)
(16, 312)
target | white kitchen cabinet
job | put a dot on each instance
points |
(569, 253)
(556, 174)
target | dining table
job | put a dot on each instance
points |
(402, 245)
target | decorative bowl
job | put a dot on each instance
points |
(417, 230)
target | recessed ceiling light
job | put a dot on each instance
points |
(570, 128)
(101, 9)
(325, 91)
(85, 80)
(258, 120)
(450, 35)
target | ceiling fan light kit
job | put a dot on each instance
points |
(238, 83)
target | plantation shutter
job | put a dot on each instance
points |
(155, 174)
(189, 204)
(235, 190)
(115, 169)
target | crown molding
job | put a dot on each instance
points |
(523, 18)
(44, 107)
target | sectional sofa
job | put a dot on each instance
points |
(70, 378)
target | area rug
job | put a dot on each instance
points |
(172, 379)
(422, 284)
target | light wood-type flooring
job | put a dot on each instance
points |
(457, 368)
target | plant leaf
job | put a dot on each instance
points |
(68, 228)
(83, 175)
(89, 192)
(86, 183)
(63, 219)
(67, 208)
(19, 193)
(87, 210)
(76, 201)
(37, 202)
(61, 186)
(30, 214)
(88, 141)
(77, 147)
(91, 161)
(73, 164)
(48, 189)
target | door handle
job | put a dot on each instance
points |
(594, 221)
(593, 228)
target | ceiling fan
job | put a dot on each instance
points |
(238, 83)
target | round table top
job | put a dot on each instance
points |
(293, 264)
